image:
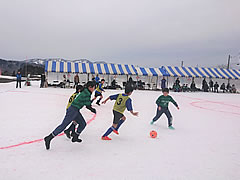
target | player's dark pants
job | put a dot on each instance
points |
(18, 82)
(72, 114)
(166, 112)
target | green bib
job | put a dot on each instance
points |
(120, 104)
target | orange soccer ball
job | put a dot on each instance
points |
(153, 134)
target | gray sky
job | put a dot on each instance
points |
(143, 32)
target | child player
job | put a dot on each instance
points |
(99, 91)
(162, 103)
(71, 129)
(73, 113)
(122, 103)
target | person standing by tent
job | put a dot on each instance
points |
(223, 87)
(19, 79)
(211, 85)
(163, 83)
(97, 79)
(76, 80)
(64, 81)
(216, 86)
(43, 79)
(204, 85)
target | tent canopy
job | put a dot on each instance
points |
(123, 69)
(202, 72)
(88, 68)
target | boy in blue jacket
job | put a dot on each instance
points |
(99, 91)
(123, 102)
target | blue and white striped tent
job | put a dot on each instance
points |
(88, 68)
(150, 71)
(202, 72)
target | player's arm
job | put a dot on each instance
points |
(158, 102)
(106, 100)
(130, 108)
(113, 97)
(100, 87)
(93, 110)
(175, 103)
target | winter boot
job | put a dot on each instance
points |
(75, 137)
(48, 140)
(67, 133)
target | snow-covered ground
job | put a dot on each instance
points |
(204, 146)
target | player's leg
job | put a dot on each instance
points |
(158, 115)
(95, 97)
(116, 119)
(122, 120)
(70, 115)
(170, 118)
(98, 102)
(70, 130)
(81, 126)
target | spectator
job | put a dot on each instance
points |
(130, 82)
(193, 86)
(45, 83)
(211, 85)
(140, 84)
(229, 88)
(176, 87)
(93, 78)
(205, 85)
(76, 80)
(163, 83)
(234, 90)
(177, 82)
(185, 88)
(97, 79)
(216, 86)
(43, 79)
(223, 87)
(113, 84)
(19, 79)
(64, 81)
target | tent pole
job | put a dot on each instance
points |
(167, 81)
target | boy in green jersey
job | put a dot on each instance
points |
(123, 102)
(68, 132)
(163, 102)
(73, 114)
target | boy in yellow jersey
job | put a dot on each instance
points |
(99, 91)
(68, 131)
(123, 102)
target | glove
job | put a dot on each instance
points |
(91, 109)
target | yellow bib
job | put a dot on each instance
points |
(71, 99)
(98, 89)
(120, 104)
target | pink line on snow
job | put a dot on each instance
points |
(197, 105)
(40, 140)
(199, 101)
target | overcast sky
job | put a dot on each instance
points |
(142, 32)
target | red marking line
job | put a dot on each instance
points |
(197, 104)
(40, 140)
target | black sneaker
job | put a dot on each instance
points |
(75, 138)
(48, 141)
(67, 133)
